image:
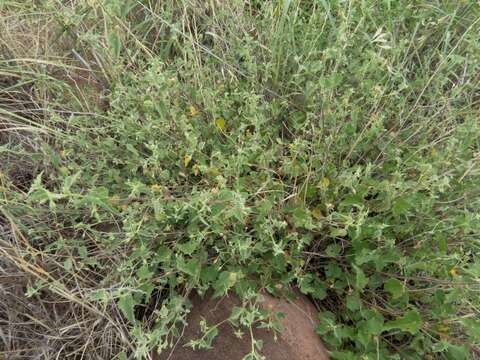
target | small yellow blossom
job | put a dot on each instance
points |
(115, 199)
(193, 110)
(186, 160)
(434, 152)
(220, 122)
(195, 170)
(317, 213)
(453, 271)
(443, 328)
(155, 187)
(324, 183)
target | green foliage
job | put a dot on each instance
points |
(332, 146)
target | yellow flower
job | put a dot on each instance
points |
(186, 160)
(324, 183)
(317, 213)
(195, 170)
(434, 152)
(453, 271)
(193, 111)
(443, 328)
(156, 187)
(220, 122)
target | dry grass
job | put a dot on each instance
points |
(57, 322)
(60, 321)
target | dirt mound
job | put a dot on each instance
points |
(297, 341)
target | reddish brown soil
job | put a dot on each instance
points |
(297, 341)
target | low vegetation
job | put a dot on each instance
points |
(151, 149)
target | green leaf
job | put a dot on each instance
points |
(320, 291)
(189, 247)
(394, 287)
(69, 181)
(83, 252)
(41, 195)
(144, 272)
(191, 267)
(264, 207)
(351, 200)
(301, 217)
(312, 285)
(473, 328)
(225, 281)
(353, 302)
(374, 323)
(410, 322)
(474, 269)
(209, 274)
(327, 322)
(442, 242)
(401, 207)
(100, 295)
(114, 43)
(305, 284)
(336, 232)
(458, 352)
(164, 254)
(68, 264)
(361, 280)
(333, 250)
(210, 336)
(158, 210)
(126, 305)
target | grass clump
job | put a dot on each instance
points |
(242, 146)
